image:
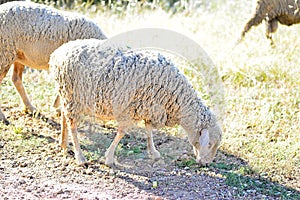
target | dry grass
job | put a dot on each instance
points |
(262, 84)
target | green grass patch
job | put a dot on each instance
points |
(186, 163)
(246, 184)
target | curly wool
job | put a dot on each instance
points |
(30, 32)
(126, 86)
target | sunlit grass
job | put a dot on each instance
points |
(262, 84)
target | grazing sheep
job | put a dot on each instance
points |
(30, 32)
(285, 12)
(5, 1)
(128, 87)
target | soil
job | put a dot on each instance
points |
(33, 166)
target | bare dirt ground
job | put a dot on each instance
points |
(32, 166)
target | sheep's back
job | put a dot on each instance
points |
(127, 86)
(78, 71)
(32, 21)
(37, 30)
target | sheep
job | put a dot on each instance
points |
(30, 32)
(5, 1)
(285, 12)
(112, 84)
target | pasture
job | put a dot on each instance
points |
(259, 157)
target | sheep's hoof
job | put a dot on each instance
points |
(4, 121)
(273, 45)
(58, 112)
(109, 162)
(155, 155)
(30, 109)
(82, 163)
(81, 160)
(85, 164)
(63, 146)
(32, 112)
(64, 150)
(201, 163)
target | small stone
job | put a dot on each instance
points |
(49, 158)
(154, 184)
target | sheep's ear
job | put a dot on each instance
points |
(204, 137)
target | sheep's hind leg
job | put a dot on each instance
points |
(17, 80)
(71, 124)
(152, 152)
(64, 133)
(2, 116)
(110, 152)
(56, 105)
(271, 27)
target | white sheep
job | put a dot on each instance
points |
(30, 32)
(286, 12)
(5, 1)
(128, 87)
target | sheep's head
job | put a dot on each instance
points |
(206, 143)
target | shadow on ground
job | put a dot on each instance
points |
(33, 166)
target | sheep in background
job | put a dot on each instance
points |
(5, 1)
(285, 12)
(128, 87)
(30, 32)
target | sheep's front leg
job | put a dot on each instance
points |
(109, 154)
(152, 152)
(71, 123)
(17, 80)
(256, 19)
